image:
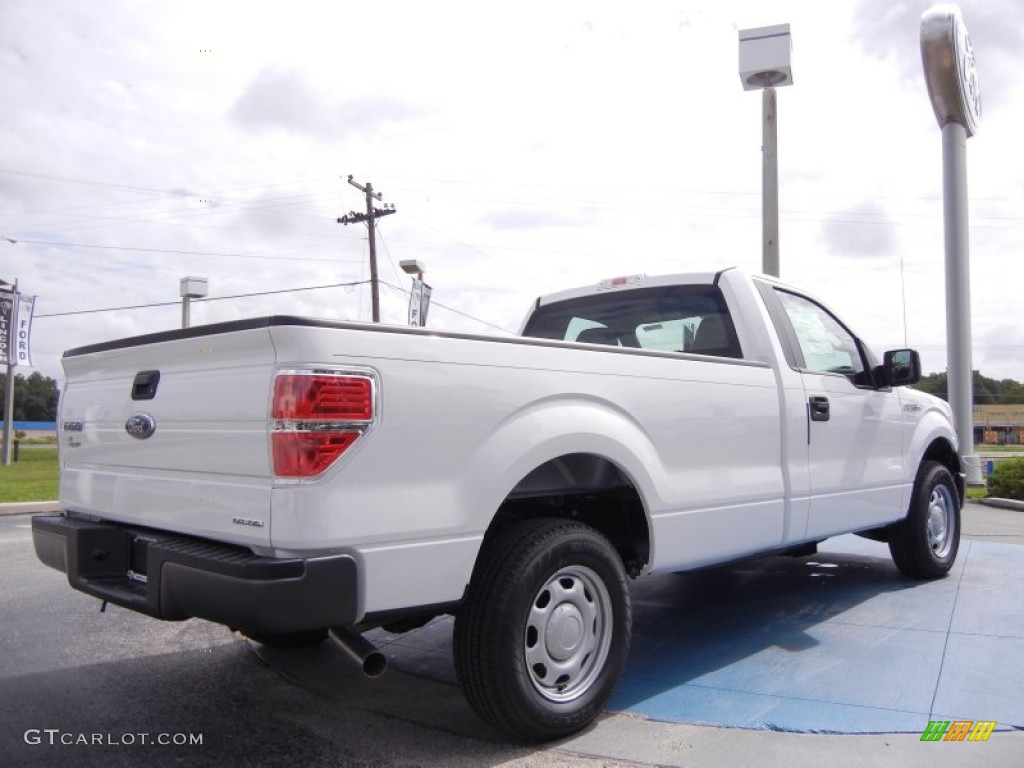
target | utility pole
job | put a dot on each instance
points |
(369, 217)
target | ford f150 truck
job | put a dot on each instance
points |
(290, 477)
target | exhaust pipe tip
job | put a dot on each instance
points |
(362, 651)
(375, 665)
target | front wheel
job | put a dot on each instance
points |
(544, 632)
(924, 544)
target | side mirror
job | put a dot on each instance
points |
(901, 367)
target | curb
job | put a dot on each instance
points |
(26, 507)
(1003, 503)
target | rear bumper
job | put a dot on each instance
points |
(176, 577)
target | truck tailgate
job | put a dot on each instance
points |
(171, 433)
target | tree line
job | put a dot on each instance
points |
(986, 391)
(35, 397)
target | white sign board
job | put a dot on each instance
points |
(23, 330)
(949, 68)
(419, 303)
(414, 302)
(7, 300)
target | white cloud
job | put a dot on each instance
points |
(278, 98)
(862, 231)
(528, 147)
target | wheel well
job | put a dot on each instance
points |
(587, 488)
(942, 451)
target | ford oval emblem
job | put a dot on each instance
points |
(140, 426)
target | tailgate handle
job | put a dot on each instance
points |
(144, 385)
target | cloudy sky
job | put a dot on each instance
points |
(528, 147)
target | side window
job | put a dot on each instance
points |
(825, 345)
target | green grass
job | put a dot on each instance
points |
(999, 449)
(975, 493)
(33, 477)
(37, 441)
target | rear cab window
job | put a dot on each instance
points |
(678, 318)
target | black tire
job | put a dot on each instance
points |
(547, 596)
(304, 639)
(925, 543)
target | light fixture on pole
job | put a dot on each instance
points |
(952, 77)
(191, 288)
(765, 65)
(419, 296)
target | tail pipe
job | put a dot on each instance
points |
(373, 662)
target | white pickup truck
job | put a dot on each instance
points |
(290, 477)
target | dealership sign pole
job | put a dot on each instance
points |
(8, 305)
(952, 78)
(15, 349)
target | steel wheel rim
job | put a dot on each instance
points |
(568, 633)
(940, 521)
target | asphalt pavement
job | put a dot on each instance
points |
(68, 671)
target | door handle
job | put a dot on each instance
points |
(819, 408)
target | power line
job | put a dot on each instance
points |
(268, 293)
(88, 182)
(660, 191)
(451, 309)
(164, 216)
(208, 298)
(166, 196)
(185, 253)
(471, 247)
(383, 242)
(168, 193)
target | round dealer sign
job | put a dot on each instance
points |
(949, 67)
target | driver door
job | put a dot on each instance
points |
(853, 428)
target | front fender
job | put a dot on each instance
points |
(933, 438)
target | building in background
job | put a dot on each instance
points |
(999, 424)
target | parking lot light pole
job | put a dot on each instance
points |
(764, 65)
(191, 288)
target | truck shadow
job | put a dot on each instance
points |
(821, 628)
(785, 643)
(703, 621)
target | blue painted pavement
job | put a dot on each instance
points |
(837, 642)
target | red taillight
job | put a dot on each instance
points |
(304, 396)
(316, 417)
(305, 454)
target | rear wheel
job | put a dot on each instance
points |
(543, 635)
(925, 543)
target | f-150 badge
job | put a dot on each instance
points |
(140, 426)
